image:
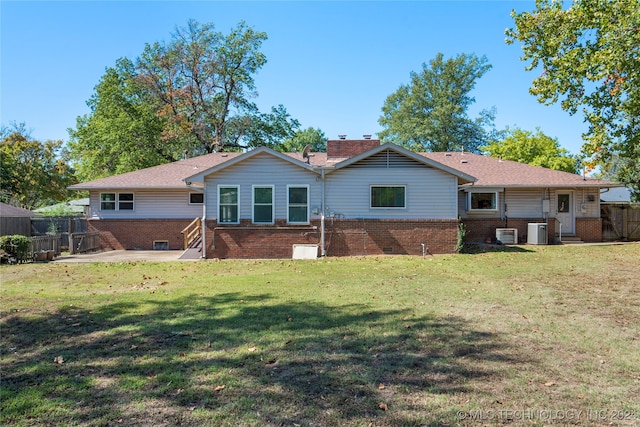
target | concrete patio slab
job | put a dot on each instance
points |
(123, 256)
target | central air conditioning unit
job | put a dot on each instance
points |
(537, 233)
(507, 236)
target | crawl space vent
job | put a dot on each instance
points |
(160, 245)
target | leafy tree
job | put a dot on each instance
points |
(203, 81)
(264, 129)
(123, 131)
(34, 173)
(189, 95)
(588, 56)
(315, 138)
(535, 149)
(430, 113)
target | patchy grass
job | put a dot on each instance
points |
(543, 335)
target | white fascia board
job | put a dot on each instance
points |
(469, 187)
(475, 189)
(80, 187)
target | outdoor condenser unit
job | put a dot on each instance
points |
(537, 233)
(507, 236)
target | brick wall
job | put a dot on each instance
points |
(139, 233)
(248, 240)
(589, 229)
(348, 237)
(343, 237)
(350, 147)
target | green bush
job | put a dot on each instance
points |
(462, 233)
(16, 245)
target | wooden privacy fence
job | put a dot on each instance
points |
(59, 225)
(620, 221)
(84, 242)
(15, 225)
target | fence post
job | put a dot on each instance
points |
(625, 223)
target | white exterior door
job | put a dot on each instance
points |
(565, 213)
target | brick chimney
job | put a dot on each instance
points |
(345, 148)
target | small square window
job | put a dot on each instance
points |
(125, 201)
(196, 198)
(108, 201)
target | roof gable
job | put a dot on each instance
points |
(397, 156)
(199, 177)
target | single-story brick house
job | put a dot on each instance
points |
(358, 198)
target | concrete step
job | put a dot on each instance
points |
(571, 240)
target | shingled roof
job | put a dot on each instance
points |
(173, 175)
(167, 176)
(494, 172)
(489, 171)
(14, 212)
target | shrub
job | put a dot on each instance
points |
(462, 233)
(16, 245)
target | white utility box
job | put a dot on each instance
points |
(507, 236)
(305, 251)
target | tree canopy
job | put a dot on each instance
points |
(588, 59)
(312, 137)
(192, 94)
(535, 149)
(431, 112)
(203, 80)
(32, 173)
(123, 132)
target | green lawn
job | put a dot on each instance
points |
(527, 336)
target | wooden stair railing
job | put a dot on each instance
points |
(192, 232)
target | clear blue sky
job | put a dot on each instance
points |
(331, 64)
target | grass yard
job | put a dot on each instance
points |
(526, 336)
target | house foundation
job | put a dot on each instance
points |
(139, 234)
(343, 237)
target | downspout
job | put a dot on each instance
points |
(322, 248)
(506, 215)
(204, 225)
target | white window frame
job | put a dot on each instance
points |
(196, 203)
(116, 202)
(496, 196)
(237, 187)
(372, 186)
(289, 205)
(254, 204)
(132, 201)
